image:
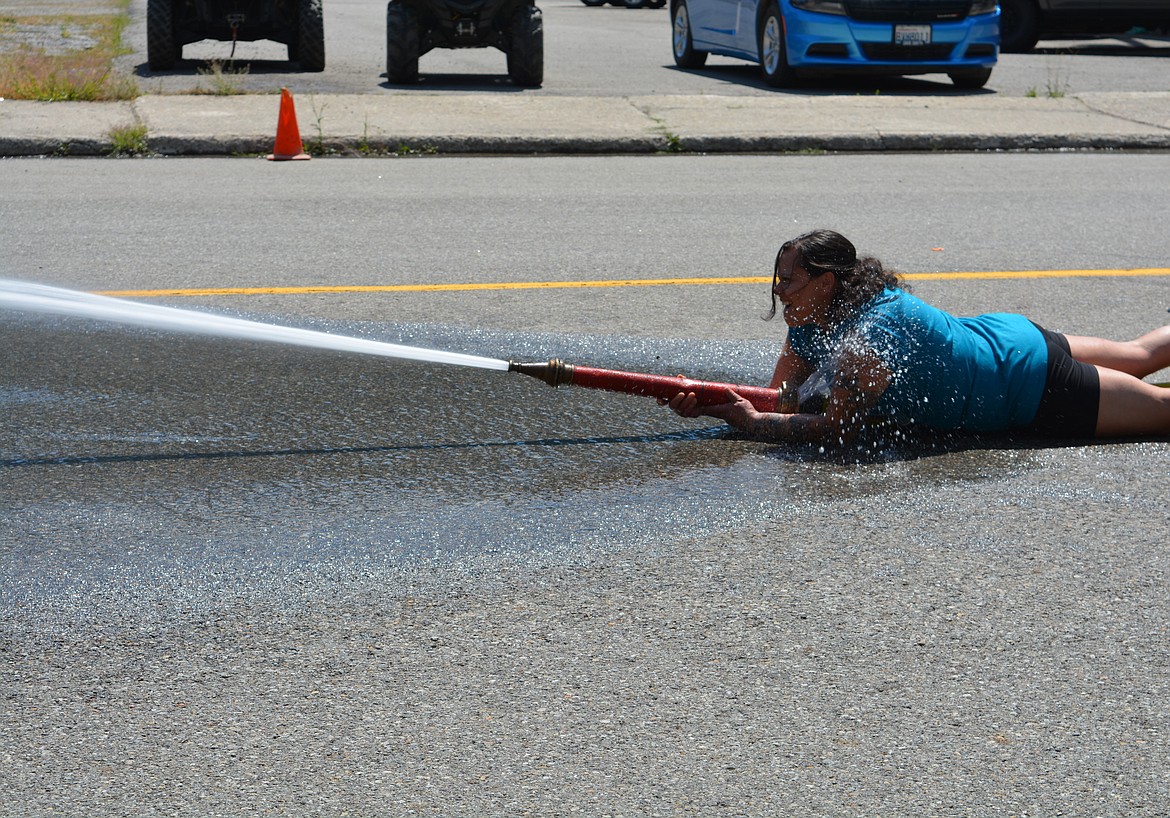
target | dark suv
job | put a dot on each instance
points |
(414, 27)
(1022, 22)
(171, 24)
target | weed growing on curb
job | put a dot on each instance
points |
(316, 146)
(129, 140)
(364, 147)
(409, 150)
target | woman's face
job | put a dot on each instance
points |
(805, 298)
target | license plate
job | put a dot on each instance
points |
(911, 35)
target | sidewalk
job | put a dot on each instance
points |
(524, 124)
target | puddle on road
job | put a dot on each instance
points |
(136, 463)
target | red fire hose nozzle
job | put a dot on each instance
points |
(558, 373)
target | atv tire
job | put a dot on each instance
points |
(310, 36)
(162, 48)
(526, 51)
(401, 43)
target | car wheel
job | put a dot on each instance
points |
(973, 78)
(310, 39)
(162, 47)
(526, 54)
(685, 54)
(593, 2)
(656, 4)
(635, 4)
(772, 49)
(401, 43)
(1019, 25)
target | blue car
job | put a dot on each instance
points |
(788, 38)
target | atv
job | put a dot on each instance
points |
(171, 24)
(414, 27)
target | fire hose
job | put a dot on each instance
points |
(558, 373)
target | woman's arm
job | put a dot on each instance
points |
(859, 382)
(790, 372)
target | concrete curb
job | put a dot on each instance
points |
(517, 125)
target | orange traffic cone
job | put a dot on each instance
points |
(288, 135)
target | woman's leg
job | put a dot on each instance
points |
(1138, 357)
(1129, 406)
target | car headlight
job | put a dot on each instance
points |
(828, 6)
(982, 7)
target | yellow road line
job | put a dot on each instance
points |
(420, 288)
(1025, 274)
(622, 282)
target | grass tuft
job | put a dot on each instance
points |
(129, 140)
(225, 80)
(80, 67)
(80, 77)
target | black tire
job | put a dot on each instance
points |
(970, 78)
(1019, 25)
(310, 46)
(773, 51)
(635, 4)
(593, 2)
(656, 4)
(526, 48)
(685, 54)
(162, 46)
(401, 43)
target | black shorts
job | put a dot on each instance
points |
(1072, 393)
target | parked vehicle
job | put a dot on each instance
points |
(789, 38)
(414, 27)
(1023, 22)
(171, 24)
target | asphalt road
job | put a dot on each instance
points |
(614, 51)
(242, 578)
(422, 220)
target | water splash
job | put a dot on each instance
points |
(25, 296)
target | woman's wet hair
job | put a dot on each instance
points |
(858, 279)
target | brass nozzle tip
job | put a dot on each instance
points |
(555, 372)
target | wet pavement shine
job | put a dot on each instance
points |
(251, 579)
(244, 577)
(185, 465)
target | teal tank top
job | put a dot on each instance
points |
(980, 374)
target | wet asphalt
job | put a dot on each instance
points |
(308, 584)
(246, 579)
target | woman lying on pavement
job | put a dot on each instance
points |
(861, 347)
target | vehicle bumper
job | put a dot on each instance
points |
(833, 43)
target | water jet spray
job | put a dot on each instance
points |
(54, 300)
